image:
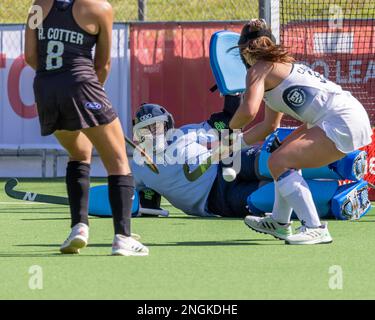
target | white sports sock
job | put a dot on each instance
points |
(281, 211)
(294, 189)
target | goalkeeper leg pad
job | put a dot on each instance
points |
(99, 203)
(351, 167)
(351, 201)
(346, 202)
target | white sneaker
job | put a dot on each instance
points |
(77, 239)
(268, 225)
(136, 236)
(128, 246)
(306, 235)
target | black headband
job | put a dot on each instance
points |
(260, 33)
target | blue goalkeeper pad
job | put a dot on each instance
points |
(346, 202)
(351, 201)
(351, 167)
(261, 201)
(226, 64)
(99, 202)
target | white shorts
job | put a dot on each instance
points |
(347, 123)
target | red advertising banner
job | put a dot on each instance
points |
(345, 55)
(370, 169)
(170, 66)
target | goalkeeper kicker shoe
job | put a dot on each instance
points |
(268, 225)
(128, 246)
(77, 239)
(307, 235)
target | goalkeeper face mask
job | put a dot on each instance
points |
(151, 124)
(152, 136)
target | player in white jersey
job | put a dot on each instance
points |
(334, 124)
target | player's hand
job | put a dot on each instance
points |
(273, 144)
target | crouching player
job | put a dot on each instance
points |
(334, 124)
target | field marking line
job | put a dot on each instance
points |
(24, 203)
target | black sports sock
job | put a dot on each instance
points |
(78, 185)
(121, 192)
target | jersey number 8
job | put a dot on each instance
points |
(55, 50)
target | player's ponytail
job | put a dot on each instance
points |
(257, 43)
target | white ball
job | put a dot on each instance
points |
(229, 174)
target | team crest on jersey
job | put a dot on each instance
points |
(296, 97)
(93, 105)
(299, 97)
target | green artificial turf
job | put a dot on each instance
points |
(190, 258)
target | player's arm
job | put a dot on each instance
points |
(102, 59)
(248, 110)
(31, 42)
(221, 120)
(262, 129)
(253, 96)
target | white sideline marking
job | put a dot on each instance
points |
(25, 203)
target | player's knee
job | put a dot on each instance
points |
(117, 164)
(80, 155)
(276, 164)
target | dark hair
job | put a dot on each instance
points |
(257, 43)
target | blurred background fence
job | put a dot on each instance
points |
(14, 11)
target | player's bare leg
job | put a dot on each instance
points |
(307, 149)
(109, 141)
(79, 149)
(310, 149)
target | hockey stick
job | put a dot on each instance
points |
(44, 198)
(153, 212)
(31, 196)
(149, 163)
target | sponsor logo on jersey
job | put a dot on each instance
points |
(93, 106)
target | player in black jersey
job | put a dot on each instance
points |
(73, 106)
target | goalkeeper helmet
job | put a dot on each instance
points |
(152, 121)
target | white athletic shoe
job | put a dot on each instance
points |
(268, 225)
(77, 239)
(128, 246)
(310, 236)
(136, 236)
